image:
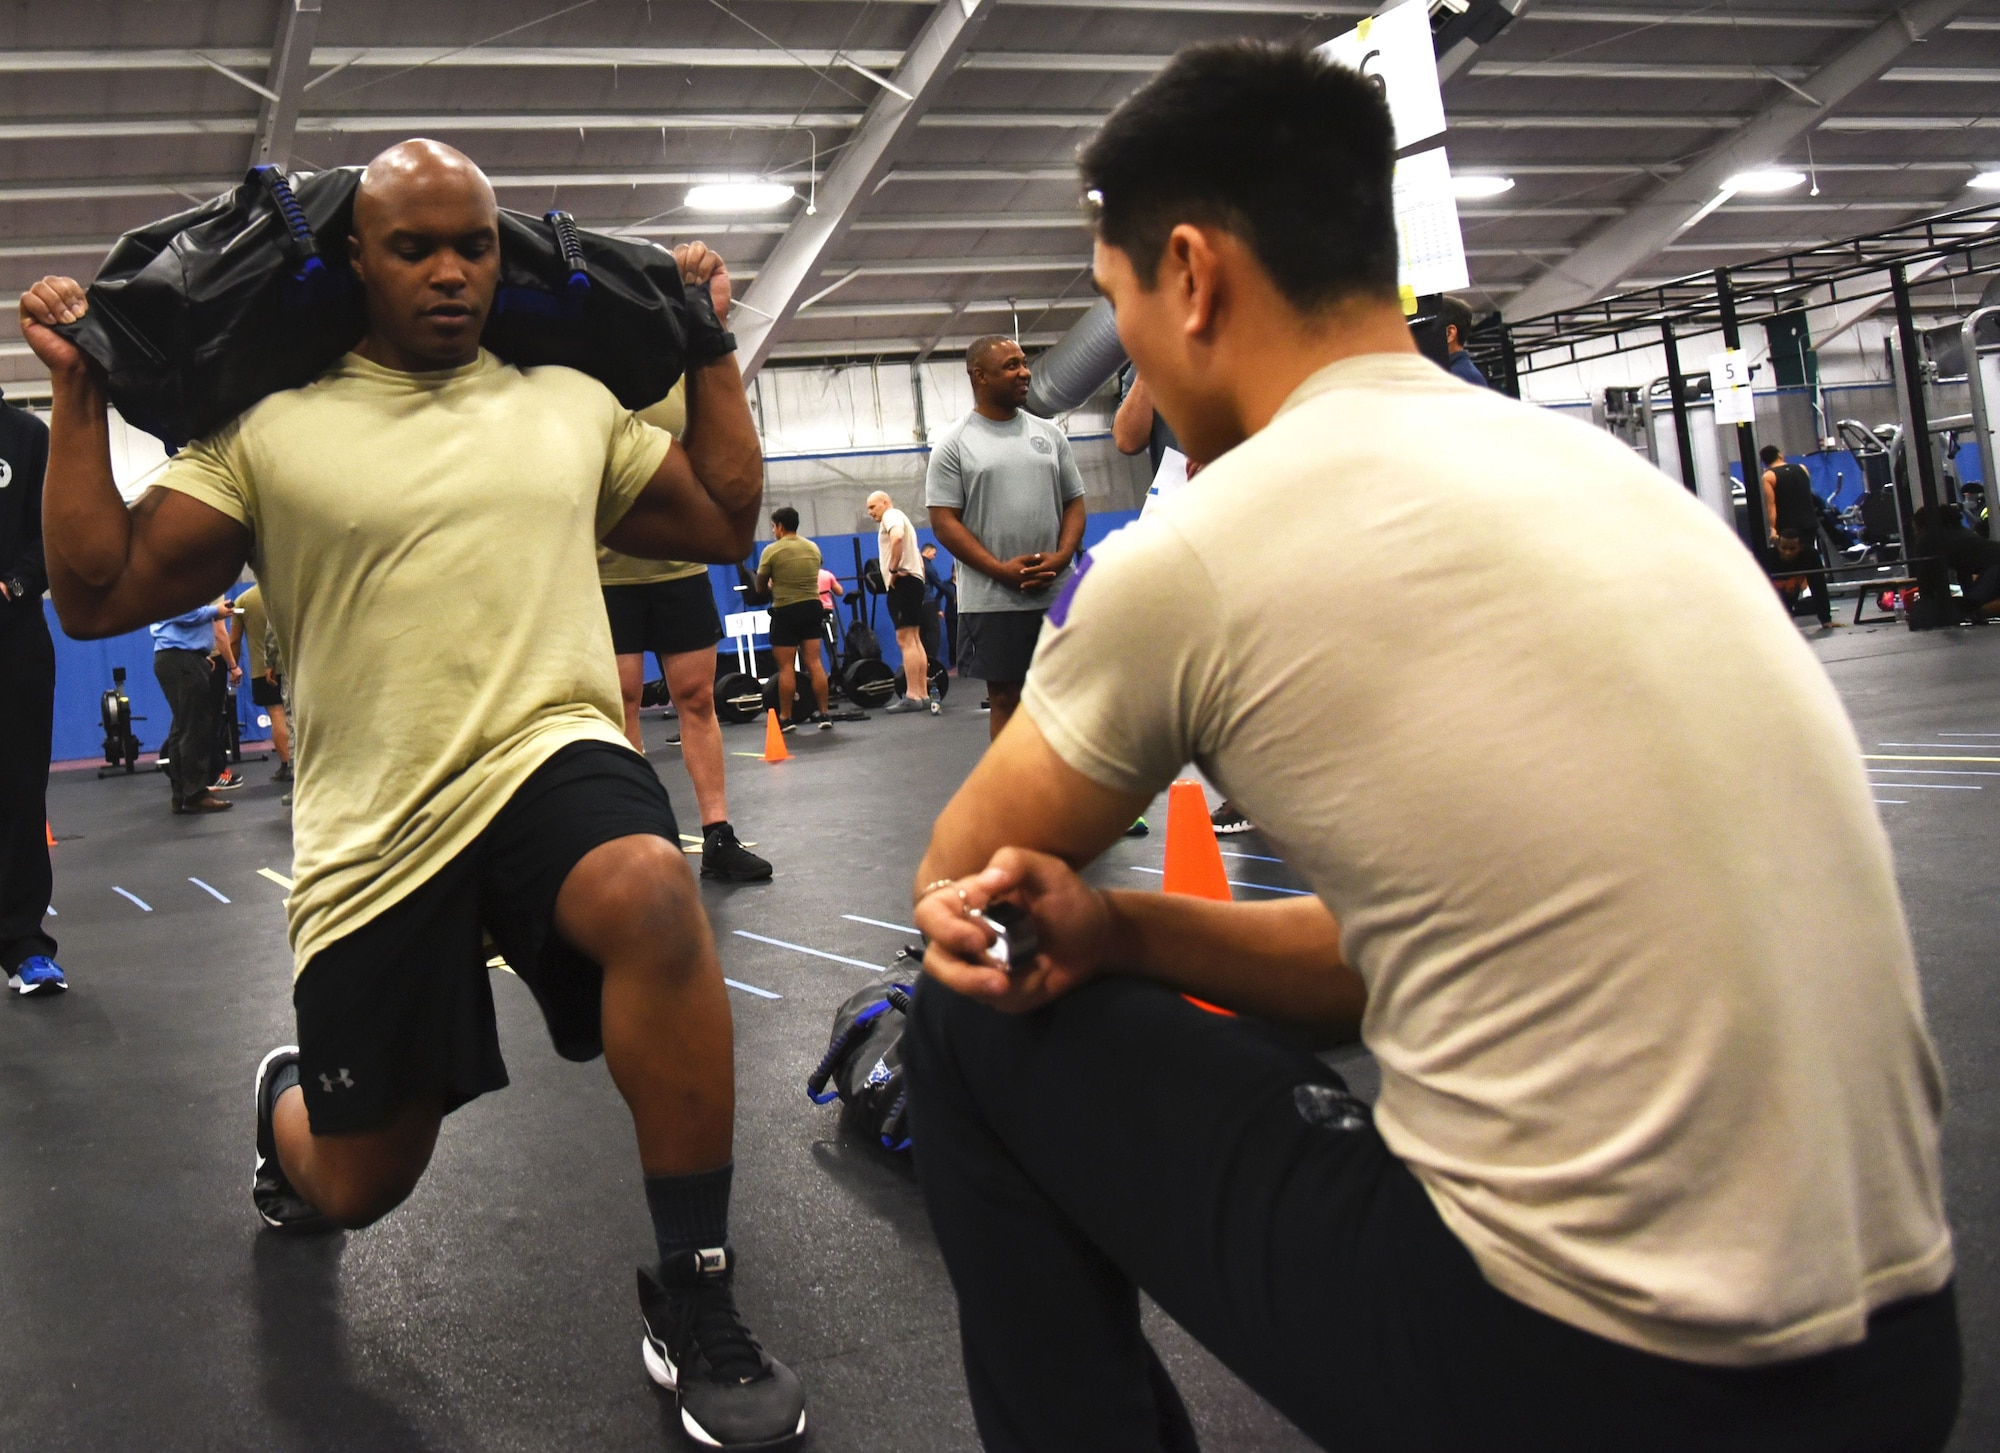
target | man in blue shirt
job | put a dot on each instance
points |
(181, 663)
(1458, 328)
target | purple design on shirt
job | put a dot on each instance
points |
(1059, 612)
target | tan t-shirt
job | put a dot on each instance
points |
(789, 569)
(670, 414)
(260, 644)
(425, 544)
(909, 559)
(1532, 724)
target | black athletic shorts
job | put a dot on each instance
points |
(666, 617)
(267, 693)
(997, 645)
(403, 1006)
(906, 601)
(796, 624)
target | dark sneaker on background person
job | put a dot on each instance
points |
(725, 859)
(282, 1208)
(229, 781)
(283, 774)
(1226, 820)
(733, 1394)
(38, 974)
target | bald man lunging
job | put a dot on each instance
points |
(480, 784)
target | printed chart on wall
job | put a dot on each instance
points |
(1429, 244)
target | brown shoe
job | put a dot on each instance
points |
(203, 802)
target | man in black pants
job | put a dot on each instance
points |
(27, 720)
(185, 665)
(1791, 510)
(1655, 1160)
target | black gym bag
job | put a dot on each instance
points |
(864, 1063)
(196, 317)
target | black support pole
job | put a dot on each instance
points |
(1678, 393)
(1512, 385)
(1755, 526)
(1933, 584)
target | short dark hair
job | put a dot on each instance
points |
(1769, 454)
(976, 351)
(1457, 313)
(785, 517)
(1286, 150)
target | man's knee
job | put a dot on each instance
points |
(631, 891)
(691, 683)
(354, 1203)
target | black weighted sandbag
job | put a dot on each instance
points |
(197, 316)
(863, 1064)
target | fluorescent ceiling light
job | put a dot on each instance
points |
(739, 196)
(1763, 183)
(1470, 188)
(1986, 182)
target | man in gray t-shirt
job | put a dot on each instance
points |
(1005, 498)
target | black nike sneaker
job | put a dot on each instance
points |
(282, 1208)
(726, 859)
(733, 1394)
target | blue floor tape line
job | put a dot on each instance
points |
(818, 953)
(208, 890)
(879, 923)
(1253, 857)
(134, 897)
(752, 989)
(1235, 883)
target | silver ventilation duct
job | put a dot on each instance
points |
(1076, 366)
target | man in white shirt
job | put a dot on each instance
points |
(1655, 1163)
(903, 577)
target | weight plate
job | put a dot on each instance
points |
(738, 698)
(868, 682)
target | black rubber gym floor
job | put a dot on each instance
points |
(143, 1308)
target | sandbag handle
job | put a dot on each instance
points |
(570, 246)
(298, 244)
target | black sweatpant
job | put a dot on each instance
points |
(186, 679)
(27, 722)
(1123, 1139)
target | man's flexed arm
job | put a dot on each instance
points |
(112, 569)
(703, 502)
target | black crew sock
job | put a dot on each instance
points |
(282, 1079)
(717, 829)
(690, 1212)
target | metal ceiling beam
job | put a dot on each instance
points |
(1707, 71)
(291, 65)
(1617, 248)
(862, 165)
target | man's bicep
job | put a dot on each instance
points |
(1023, 794)
(183, 554)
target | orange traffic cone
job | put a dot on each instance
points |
(49, 827)
(1194, 859)
(774, 741)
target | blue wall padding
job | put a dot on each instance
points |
(83, 668)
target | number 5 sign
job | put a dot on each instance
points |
(1729, 376)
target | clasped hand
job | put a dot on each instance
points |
(1074, 922)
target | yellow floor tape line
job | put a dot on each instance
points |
(279, 878)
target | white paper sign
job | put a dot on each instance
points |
(747, 623)
(1429, 246)
(1172, 475)
(1395, 47)
(1729, 377)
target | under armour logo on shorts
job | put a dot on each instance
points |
(327, 1082)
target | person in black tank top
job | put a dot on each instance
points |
(1791, 510)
